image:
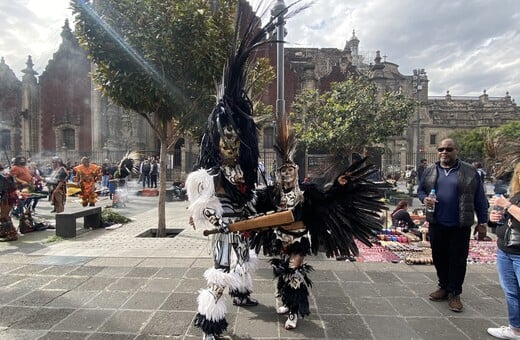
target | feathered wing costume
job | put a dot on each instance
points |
(222, 191)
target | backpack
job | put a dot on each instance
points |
(146, 168)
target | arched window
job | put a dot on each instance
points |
(69, 139)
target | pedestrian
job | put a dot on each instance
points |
(401, 217)
(507, 221)
(144, 170)
(8, 199)
(57, 185)
(154, 171)
(421, 167)
(410, 176)
(105, 173)
(21, 173)
(459, 196)
(87, 175)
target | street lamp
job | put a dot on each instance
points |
(419, 75)
(278, 11)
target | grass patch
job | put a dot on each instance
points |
(52, 239)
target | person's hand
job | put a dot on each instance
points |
(495, 215)
(429, 202)
(500, 201)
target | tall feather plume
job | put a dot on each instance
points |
(233, 104)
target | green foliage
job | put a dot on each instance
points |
(157, 57)
(509, 130)
(111, 216)
(471, 142)
(350, 117)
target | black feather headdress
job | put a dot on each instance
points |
(233, 107)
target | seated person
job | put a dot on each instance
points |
(401, 218)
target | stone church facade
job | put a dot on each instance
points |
(62, 113)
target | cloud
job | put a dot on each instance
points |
(465, 46)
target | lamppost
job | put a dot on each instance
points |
(417, 79)
(278, 11)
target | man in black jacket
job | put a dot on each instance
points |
(460, 195)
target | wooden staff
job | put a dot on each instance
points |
(283, 218)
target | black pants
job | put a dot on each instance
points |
(450, 247)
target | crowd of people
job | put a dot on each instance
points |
(24, 183)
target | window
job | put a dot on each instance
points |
(433, 139)
(268, 137)
(5, 140)
(69, 140)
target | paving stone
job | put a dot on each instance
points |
(71, 299)
(58, 270)
(105, 299)
(435, 328)
(65, 283)
(9, 294)
(393, 289)
(85, 271)
(190, 285)
(65, 336)
(11, 314)
(353, 289)
(160, 285)
(21, 334)
(413, 306)
(38, 298)
(335, 305)
(96, 283)
(145, 300)
(182, 302)
(32, 282)
(127, 284)
(113, 272)
(7, 280)
(327, 289)
(84, 320)
(256, 325)
(413, 277)
(171, 273)
(383, 277)
(43, 318)
(373, 306)
(29, 269)
(345, 327)
(474, 328)
(169, 323)
(112, 336)
(352, 276)
(387, 328)
(125, 322)
(323, 275)
(142, 272)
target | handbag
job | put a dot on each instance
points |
(512, 236)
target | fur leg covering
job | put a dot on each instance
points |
(242, 286)
(211, 310)
(7, 230)
(293, 286)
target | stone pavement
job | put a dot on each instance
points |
(111, 284)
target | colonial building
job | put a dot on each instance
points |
(62, 113)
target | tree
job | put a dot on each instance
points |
(159, 58)
(471, 143)
(350, 117)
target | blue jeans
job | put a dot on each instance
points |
(508, 267)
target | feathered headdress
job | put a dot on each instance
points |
(233, 107)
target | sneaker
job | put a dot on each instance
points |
(291, 322)
(454, 303)
(503, 333)
(439, 295)
(282, 310)
(245, 302)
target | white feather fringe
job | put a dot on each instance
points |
(211, 309)
(201, 194)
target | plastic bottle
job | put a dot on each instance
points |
(498, 208)
(432, 195)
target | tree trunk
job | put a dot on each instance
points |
(161, 222)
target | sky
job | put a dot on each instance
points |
(465, 46)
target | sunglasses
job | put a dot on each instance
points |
(445, 149)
